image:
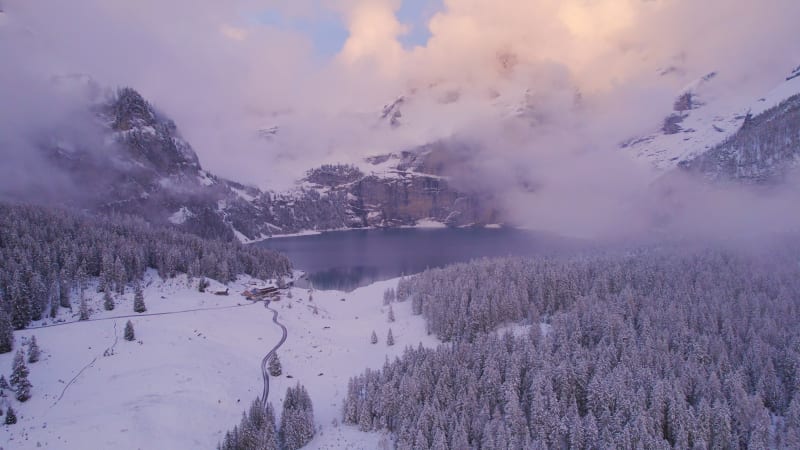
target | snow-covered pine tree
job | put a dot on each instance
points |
(83, 309)
(297, 422)
(129, 333)
(269, 433)
(275, 368)
(390, 338)
(63, 290)
(388, 296)
(33, 350)
(120, 276)
(202, 284)
(391, 314)
(19, 378)
(19, 296)
(6, 332)
(108, 301)
(38, 295)
(4, 383)
(256, 431)
(11, 416)
(374, 338)
(138, 301)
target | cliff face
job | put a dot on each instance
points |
(402, 201)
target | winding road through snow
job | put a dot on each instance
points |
(269, 355)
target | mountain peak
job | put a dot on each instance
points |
(149, 136)
(131, 110)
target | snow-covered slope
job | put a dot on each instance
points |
(699, 121)
(702, 120)
(765, 148)
(195, 366)
(781, 93)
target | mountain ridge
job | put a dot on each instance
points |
(138, 163)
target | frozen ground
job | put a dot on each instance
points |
(190, 374)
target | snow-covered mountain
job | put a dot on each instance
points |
(136, 162)
(697, 123)
(754, 140)
(721, 133)
(765, 147)
(130, 158)
(442, 109)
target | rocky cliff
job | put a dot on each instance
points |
(408, 188)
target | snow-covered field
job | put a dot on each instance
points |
(190, 374)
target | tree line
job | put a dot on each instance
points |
(47, 255)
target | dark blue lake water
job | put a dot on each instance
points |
(345, 260)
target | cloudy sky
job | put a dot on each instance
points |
(586, 74)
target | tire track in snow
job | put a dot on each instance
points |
(269, 355)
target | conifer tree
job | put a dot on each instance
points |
(256, 431)
(108, 301)
(275, 368)
(390, 338)
(33, 351)
(83, 309)
(63, 291)
(388, 296)
(374, 338)
(129, 333)
(297, 421)
(38, 294)
(20, 302)
(11, 416)
(4, 383)
(19, 378)
(269, 433)
(119, 276)
(6, 332)
(391, 314)
(138, 301)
